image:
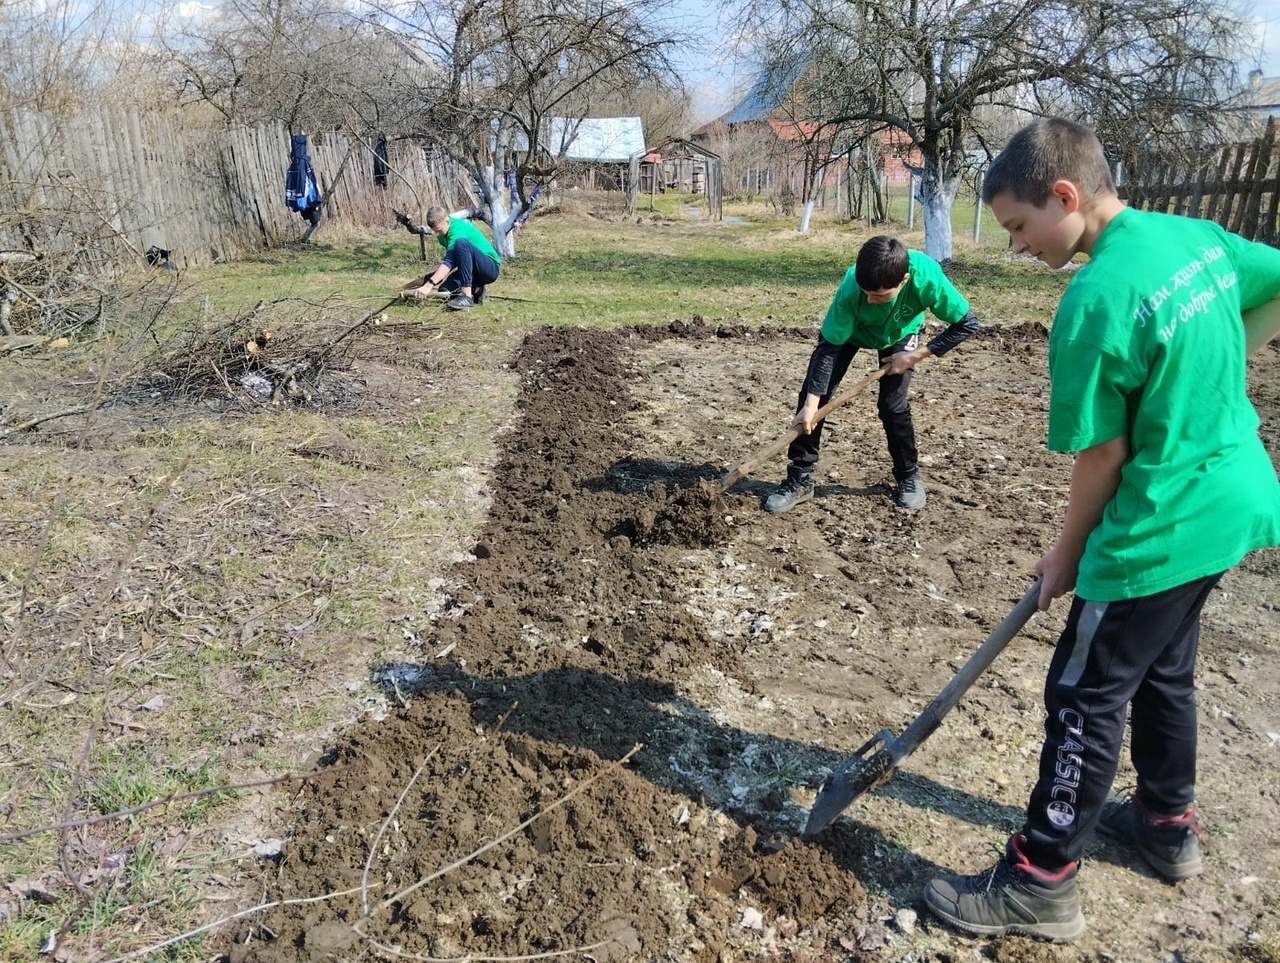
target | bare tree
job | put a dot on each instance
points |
(478, 81)
(309, 66)
(508, 69)
(747, 152)
(59, 56)
(953, 75)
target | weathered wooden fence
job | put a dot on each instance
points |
(1238, 186)
(107, 185)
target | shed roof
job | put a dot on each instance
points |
(608, 140)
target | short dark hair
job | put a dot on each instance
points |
(882, 263)
(1048, 150)
(436, 215)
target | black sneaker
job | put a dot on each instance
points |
(1011, 897)
(797, 487)
(460, 302)
(909, 494)
(1170, 844)
(478, 294)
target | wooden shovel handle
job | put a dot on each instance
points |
(764, 454)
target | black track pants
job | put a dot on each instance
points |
(1111, 655)
(893, 407)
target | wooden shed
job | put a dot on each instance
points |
(681, 165)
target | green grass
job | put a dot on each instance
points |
(580, 270)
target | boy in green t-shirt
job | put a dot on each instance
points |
(880, 304)
(469, 265)
(1170, 487)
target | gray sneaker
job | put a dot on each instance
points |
(460, 302)
(1011, 897)
(797, 487)
(1171, 845)
(910, 492)
(478, 294)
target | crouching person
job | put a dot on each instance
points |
(470, 263)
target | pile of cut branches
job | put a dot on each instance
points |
(268, 354)
(45, 297)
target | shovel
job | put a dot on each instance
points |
(764, 454)
(860, 772)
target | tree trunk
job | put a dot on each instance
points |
(501, 218)
(502, 221)
(938, 193)
(805, 213)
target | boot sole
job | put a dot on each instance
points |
(1173, 872)
(1054, 932)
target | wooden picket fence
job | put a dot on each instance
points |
(1238, 186)
(107, 185)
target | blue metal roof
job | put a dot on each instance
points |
(766, 94)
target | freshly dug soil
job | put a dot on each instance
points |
(619, 605)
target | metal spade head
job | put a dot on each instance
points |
(851, 779)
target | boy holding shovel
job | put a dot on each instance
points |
(1170, 487)
(880, 304)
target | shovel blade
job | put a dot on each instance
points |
(851, 779)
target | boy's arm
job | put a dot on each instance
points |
(1095, 476)
(954, 334)
(817, 382)
(1261, 324)
(950, 336)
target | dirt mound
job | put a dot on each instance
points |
(567, 635)
(696, 517)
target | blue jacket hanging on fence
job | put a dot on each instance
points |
(300, 191)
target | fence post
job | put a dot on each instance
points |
(1259, 164)
(977, 205)
(911, 201)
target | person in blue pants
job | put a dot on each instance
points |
(470, 263)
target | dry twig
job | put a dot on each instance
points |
(33, 422)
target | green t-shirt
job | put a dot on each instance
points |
(1148, 342)
(461, 227)
(850, 318)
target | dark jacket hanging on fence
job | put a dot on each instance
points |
(381, 165)
(300, 191)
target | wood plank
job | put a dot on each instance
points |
(1258, 167)
(1197, 192)
(1232, 187)
(1218, 190)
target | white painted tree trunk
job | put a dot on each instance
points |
(501, 219)
(938, 194)
(806, 212)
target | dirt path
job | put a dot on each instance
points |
(616, 599)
